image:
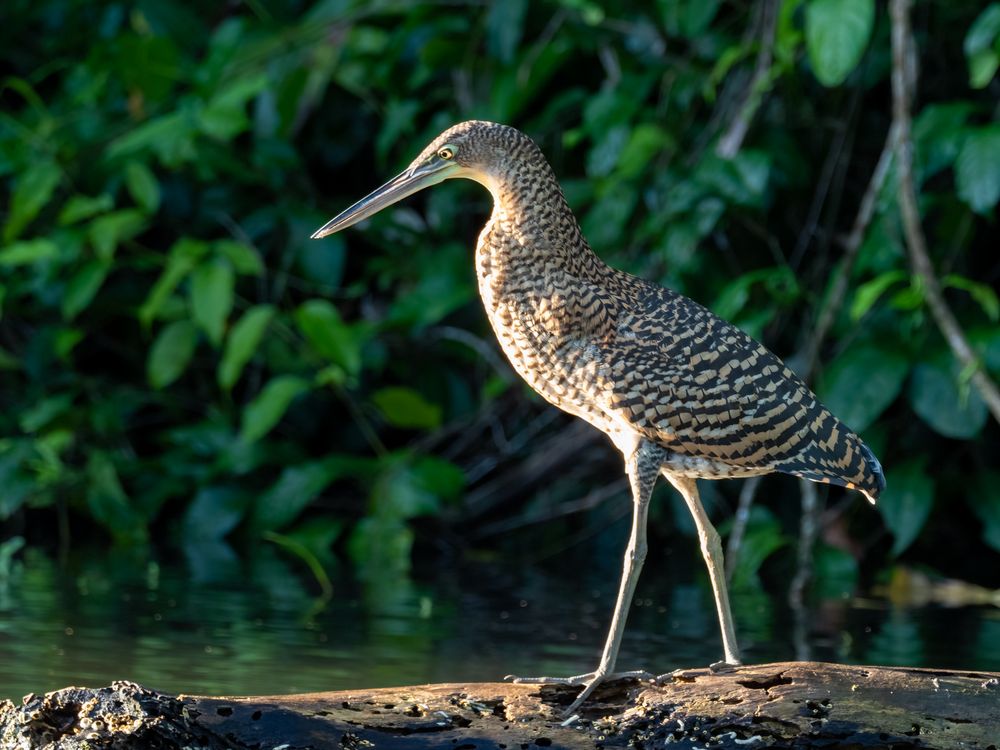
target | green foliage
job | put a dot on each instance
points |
(837, 32)
(906, 503)
(173, 347)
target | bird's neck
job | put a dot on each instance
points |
(532, 227)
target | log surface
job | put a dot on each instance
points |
(783, 705)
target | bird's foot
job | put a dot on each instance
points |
(687, 675)
(589, 681)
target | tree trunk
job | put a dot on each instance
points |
(784, 705)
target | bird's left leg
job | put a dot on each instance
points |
(642, 468)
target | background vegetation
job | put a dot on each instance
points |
(180, 363)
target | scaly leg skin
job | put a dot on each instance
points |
(642, 468)
(711, 550)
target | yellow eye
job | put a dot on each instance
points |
(446, 152)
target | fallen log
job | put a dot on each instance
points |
(783, 705)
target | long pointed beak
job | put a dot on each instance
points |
(402, 185)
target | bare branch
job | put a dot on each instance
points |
(902, 74)
(731, 141)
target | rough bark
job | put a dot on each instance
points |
(785, 705)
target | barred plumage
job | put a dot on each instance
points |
(681, 392)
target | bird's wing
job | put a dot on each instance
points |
(699, 386)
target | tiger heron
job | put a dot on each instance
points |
(679, 391)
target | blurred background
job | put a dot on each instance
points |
(235, 460)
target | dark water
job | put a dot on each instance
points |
(258, 626)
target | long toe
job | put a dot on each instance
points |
(580, 679)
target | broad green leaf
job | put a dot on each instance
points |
(32, 192)
(906, 502)
(980, 46)
(266, 410)
(225, 116)
(82, 287)
(504, 26)
(42, 413)
(171, 352)
(242, 342)
(215, 511)
(297, 486)
(405, 407)
(329, 335)
(184, 254)
(107, 231)
(80, 207)
(763, 537)
(26, 252)
(938, 134)
(859, 384)
(212, 287)
(837, 32)
(170, 137)
(142, 186)
(108, 503)
(977, 169)
(936, 396)
(869, 292)
(245, 259)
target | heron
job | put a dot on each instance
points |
(680, 392)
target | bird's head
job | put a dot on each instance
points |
(475, 150)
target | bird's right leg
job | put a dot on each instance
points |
(642, 468)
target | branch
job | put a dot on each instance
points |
(730, 142)
(852, 244)
(902, 51)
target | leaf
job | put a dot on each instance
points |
(869, 292)
(297, 486)
(981, 293)
(107, 231)
(142, 186)
(80, 207)
(170, 137)
(504, 26)
(937, 398)
(215, 511)
(212, 287)
(171, 352)
(245, 259)
(837, 32)
(404, 407)
(906, 502)
(242, 342)
(763, 537)
(224, 116)
(938, 134)
(981, 46)
(327, 333)
(27, 252)
(82, 287)
(33, 191)
(108, 503)
(859, 384)
(184, 254)
(977, 169)
(266, 410)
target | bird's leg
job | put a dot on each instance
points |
(642, 468)
(711, 550)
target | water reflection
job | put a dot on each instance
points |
(250, 625)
